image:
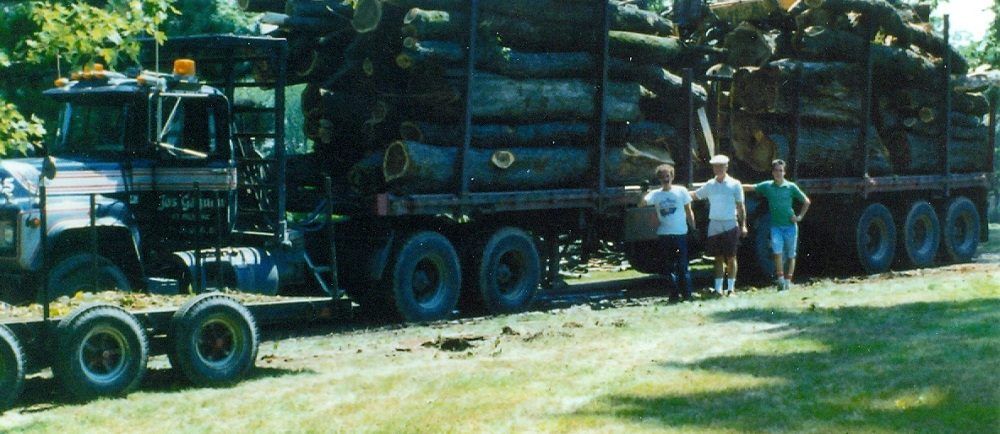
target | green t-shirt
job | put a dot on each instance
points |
(779, 200)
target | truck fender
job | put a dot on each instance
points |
(380, 257)
(76, 231)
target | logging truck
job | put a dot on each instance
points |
(167, 184)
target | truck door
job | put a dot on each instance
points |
(193, 175)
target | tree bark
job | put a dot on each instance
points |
(735, 12)
(554, 134)
(891, 64)
(888, 18)
(624, 16)
(828, 93)
(413, 167)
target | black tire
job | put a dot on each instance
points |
(12, 368)
(507, 271)
(75, 273)
(213, 340)
(102, 352)
(423, 278)
(920, 236)
(874, 241)
(960, 233)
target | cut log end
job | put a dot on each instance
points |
(367, 15)
(396, 162)
(503, 159)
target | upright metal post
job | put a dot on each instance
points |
(946, 146)
(46, 266)
(219, 228)
(93, 241)
(689, 155)
(279, 141)
(866, 101)
(600, 96)
(331, 234)
(993, 131)
(461, 163)
(793, 144)
(198, 287)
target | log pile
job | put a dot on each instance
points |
(811, 58)
(386, 88)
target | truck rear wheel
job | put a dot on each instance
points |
(921, 235)
(102, 352)
(874, 238)
(507, 271)
(960, 234)
(424, 277)
(213, 340)
(12, 368)
(77, 273)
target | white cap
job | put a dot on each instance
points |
(719, 159)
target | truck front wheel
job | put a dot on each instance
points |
(12, 368)
(424, 277)
(213, 340)
(960, 237)
(102, 352)
(507, 271)
(874, 238)
(85, 272)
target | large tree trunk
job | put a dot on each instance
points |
(624, 16)
(827, 93)
(497, 97)
(887, 17)
(923, 155)
(554, 134)
(822, 151)
(413, 167)
(891, 65)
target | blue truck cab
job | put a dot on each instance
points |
(143, 172)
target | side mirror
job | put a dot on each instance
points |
(49, 168)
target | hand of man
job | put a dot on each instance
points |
(743, 231)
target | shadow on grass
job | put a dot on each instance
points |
(45, 393)
(923, 367)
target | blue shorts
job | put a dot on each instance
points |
(784, 239)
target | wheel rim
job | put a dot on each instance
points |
(962, 232)
(426, 280)
(874, 240)
(510, 272)
(104, 354)
(217, 342)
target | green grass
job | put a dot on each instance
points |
(915, 351)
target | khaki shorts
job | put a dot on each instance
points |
(723, 238)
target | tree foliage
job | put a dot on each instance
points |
(41, 37)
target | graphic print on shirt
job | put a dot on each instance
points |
(667, 206)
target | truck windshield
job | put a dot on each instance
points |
(92, 129)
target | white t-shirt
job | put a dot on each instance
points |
(722, 197)
(670, 209)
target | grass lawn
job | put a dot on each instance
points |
(913, 351)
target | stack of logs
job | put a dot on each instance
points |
(386, 90)
(385, 95)
(822, 48)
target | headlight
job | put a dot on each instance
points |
(8, 234)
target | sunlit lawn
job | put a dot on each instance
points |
(915, 352)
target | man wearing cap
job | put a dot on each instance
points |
(726, 221)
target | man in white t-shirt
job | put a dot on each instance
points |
(726, 221)
(673, 208)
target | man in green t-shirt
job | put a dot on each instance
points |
(780, 194)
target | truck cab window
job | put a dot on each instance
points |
(93, 130)
(190, 130)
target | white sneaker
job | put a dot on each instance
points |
(788, 285)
